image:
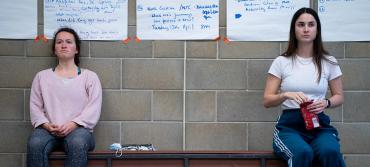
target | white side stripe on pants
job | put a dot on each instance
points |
(281, 145)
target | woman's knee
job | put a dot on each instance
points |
(35, 143)
(79, 139)
(304, 152)
(38, 140)
(329, 152)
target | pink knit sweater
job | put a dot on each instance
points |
(59, 100)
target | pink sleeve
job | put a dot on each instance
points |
(91, 113)
(37, 110)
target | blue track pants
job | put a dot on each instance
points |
(301, 147)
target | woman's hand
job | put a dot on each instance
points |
(298, 97)
(67, 128)
(318, 106)
(52, 128)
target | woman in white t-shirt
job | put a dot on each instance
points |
(303, 73)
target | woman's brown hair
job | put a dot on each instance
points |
(77, 41)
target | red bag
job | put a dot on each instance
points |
(311, 120)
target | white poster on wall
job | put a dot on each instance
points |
(345, 20)
(261, 20)
(18, 19)
(177, 19)
(92, 20)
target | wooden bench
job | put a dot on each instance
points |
(176, 159)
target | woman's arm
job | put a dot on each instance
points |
(271, 97)
(90, 115)
(336, 98)
(336, 89)
(37, 110)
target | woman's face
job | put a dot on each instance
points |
(65, 45)
(305, 28)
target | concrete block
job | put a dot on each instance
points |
(215, 74)
(13, 160)
(19, 72)
(354, 137)
(27, 105)
(222, 14)
(244, 106)
(168, 49)
(200, 106)
(126, 105)
(357, 160)
(257, 72)
(356, 107)
(11, 105)
(356, 74)
(131, 12)
(14, 136)
(357, 50)
(201, 49)
(11, 47)
(216, 136)
(335, 114)
(153, 74)
(335, 49)
(260, 136)
(106, 133)
(108, 70)
(39, 49)
(168, 105)
(164, 136)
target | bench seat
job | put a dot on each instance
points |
(176, 159)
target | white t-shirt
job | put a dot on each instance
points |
(300, 75)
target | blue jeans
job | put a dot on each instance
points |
(76, 145)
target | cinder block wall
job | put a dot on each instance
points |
(180, 95)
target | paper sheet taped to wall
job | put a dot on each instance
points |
(261, 20)
(93, 20)
(177, 19)
(18, 19)
(345, 20)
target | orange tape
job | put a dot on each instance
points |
(41, 37)
(125, 41)
(226, 40)
(137, 40)
(37, 38)
(44, 39)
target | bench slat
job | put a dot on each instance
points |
(181, 158)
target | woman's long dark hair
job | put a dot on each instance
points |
(318, 49)
(77, 41)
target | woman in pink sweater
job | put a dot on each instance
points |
(65, 105)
